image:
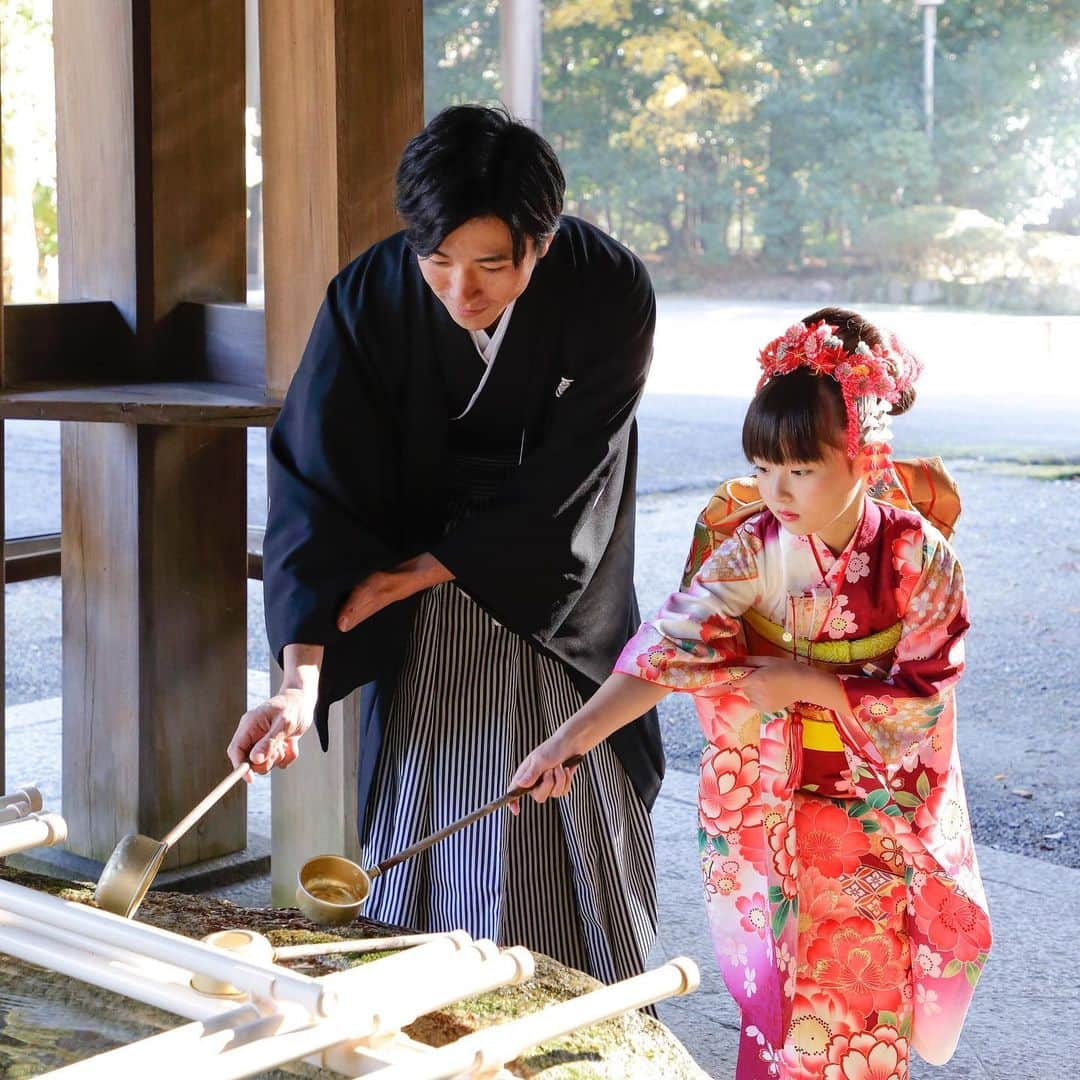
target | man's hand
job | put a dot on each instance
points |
(269, 735)
(386, 587)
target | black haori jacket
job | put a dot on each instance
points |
(356, 460)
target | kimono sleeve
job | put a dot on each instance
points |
(929, 658)
(528, 556)
(697, 634)
(328, 502)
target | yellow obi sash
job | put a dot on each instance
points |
(841, 653)
(819, 732)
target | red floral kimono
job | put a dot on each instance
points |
(844, 899)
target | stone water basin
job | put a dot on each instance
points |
(48, 1020)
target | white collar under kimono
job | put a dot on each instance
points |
(488, 347)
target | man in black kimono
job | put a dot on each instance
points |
(451, 525)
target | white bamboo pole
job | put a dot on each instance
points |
(28, 796)
(474, 970)
(485, 1052)
(360, 945)
(172, 1053)
(257, 979)
(186, 1050)
(14, 812)
(32, 830)
(154, 970)
(107, 974)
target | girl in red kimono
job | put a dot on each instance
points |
(820, 627)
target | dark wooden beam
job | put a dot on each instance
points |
(29, 558)
(88, 343)
(85, 340)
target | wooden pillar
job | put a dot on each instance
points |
(150, 159)
(342, 93)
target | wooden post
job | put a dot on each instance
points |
(150, 158)
(342, 92)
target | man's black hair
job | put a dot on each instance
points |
(472, 161)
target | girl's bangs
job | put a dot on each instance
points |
(792, 418)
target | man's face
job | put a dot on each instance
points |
(473, 273)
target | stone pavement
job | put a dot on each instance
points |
(1020, 1024)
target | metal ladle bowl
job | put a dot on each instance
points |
(135, 861)
(331, 890)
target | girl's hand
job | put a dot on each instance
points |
(542, 772)
(774, 683)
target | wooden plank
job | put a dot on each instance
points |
(342, 93)
(202, 404)
(28, 558)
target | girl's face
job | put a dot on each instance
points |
(821, 497)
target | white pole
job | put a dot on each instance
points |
(474, 970)
(201, 1042)
(485, 1052)
(28, 796)
(153, 970)
(257, 979)
(109, 975)
(360, 945)
(520, 46)
(31, 831)
(929, 41)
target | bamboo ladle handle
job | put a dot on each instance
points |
(193, 815)
(461, 823)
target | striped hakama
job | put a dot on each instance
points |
(573, 878)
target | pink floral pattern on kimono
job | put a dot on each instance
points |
(850, 922)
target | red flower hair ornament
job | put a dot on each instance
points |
(872, 378)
